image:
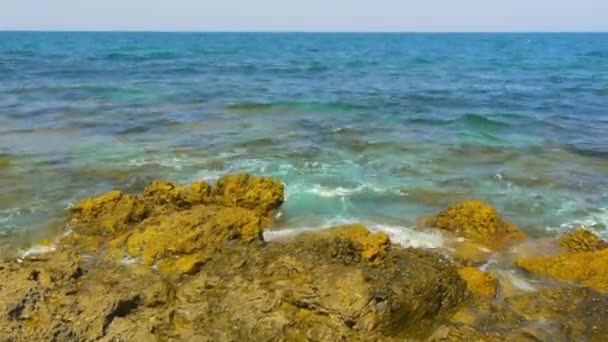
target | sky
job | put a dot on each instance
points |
(305, 15)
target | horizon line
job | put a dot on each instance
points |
(299, 32)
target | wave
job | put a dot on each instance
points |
(294, 107)
(340, 191)
(593, 152)
(403, 236)
(482, 122)
(430, 121)
(596, 222)
(139, 57)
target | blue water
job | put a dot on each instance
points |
(377, 128)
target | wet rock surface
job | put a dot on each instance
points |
(189, 263)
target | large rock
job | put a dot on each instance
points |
(587, 268)
(322, 286)
(582, 240)
(319, 286)
(95, 221)
(576, 313)
(54, 298)
(477, 221)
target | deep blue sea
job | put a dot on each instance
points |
(373, 128)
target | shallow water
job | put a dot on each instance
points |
(373, 128)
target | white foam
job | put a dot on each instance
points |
(336, 192)
(399, 235)
(410, 237)
(517, 281)
(36, 250)
(589, 222)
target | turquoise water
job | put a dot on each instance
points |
(376, 128)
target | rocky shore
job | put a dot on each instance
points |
(189, 263)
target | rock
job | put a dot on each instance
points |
(54, 298)
(470, 253)
(256, 193)
(483, 312)
(320, 286)
(477, 221)
(478, 282)
(466, 333)
(178, 196)
(188, 262)
(107, 215)
(372, 246)
(582, 240)
(577, 313)
(182, 242)
(587, 268)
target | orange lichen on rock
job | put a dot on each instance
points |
(582, 240)
(477, 221)
(479, 282)
(587, 268)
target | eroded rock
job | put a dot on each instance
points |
(477, 221)
(582, 240)
(182, 242)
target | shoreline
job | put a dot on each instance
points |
(197, 261)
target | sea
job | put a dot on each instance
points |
(380, 129)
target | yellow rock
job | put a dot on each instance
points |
(184, 264)
(185, 239)
(479, 222)
(180, 196)
(478, 282)
(90, 205)
(109, 214)
(587, 268)
(373, 246)
(256, 193)
(582, 240)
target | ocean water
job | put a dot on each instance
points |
(372, 128)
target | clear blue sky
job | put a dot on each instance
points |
(305, 15)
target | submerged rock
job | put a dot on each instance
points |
(582, 240)
(477, 221)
